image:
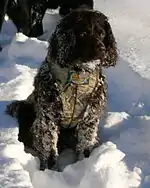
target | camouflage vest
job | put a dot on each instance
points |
(76, 90)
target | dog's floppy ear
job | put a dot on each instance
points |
(61, 46)
(110, 45)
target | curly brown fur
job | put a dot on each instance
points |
(90, 36)
(91, 30)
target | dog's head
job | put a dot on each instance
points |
(81, 37)
(66, 6)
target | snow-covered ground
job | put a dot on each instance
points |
(123, 160)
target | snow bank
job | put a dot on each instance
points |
(26, 49)
(104, 169)
(12, 159)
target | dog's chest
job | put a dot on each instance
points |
(75, 93)
(75, 99)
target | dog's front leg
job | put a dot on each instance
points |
(87, 127)
(86, 133)
(38, 11)
(45, 137)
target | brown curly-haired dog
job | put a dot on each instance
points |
(70, 92)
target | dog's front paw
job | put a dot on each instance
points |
(12, 109)
(82, 152)
(53, 161)
(79, 152)
(43, 165)
(50, 163)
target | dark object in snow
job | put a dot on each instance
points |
(70, 93)
(27, 15)
(17, 11)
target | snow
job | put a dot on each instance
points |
(123, 159)
(130, 20)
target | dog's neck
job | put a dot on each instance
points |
(65, 75)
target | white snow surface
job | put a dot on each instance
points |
(123, 159)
